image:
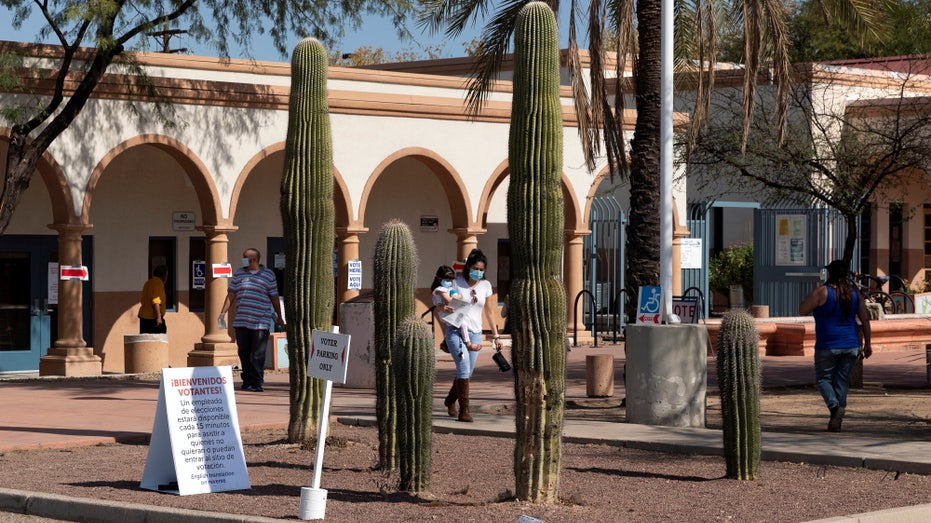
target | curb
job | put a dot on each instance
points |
(104, 511)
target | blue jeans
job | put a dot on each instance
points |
(252, 345)
(832, 374)
(465, 359)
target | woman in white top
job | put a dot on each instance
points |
(474, 289)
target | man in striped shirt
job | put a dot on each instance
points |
(255, 291)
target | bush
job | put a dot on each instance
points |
(733, 266)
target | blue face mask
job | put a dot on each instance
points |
(245, 262)
(446, 283)
(476, 274)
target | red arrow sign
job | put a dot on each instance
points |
(649, 318)
(74, 272)
(222, 270)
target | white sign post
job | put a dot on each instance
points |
(329, 352)
(196, 446)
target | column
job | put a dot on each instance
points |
(69, 355)
(347, 238)
(216, 347)
(679, 231)
(572, 275)
(466, 240)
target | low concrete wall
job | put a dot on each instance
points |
(795, 336)
(667, 375)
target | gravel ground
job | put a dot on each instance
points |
(472, 480)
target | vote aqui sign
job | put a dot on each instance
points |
(196, 446)
(329, 353)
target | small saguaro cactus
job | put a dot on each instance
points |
(307, 217)
(536, 226)
(412, 364)
(395, 274)
(739, 384)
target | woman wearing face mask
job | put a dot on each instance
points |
(475, 290)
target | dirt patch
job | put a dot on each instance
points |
(472, 481)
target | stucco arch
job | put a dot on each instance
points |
(573, 217)
(449, 179)
(201, 180)
(341, 199)
(55, 184)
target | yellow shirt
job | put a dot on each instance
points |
(153, 292)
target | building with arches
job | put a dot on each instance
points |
(120, 193)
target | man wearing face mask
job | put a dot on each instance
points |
(255, 291)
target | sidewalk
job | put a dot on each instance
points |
(68, 412)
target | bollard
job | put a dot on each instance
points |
(759, 311)
(145, 352)
(599, 375)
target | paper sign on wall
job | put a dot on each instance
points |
(196, 446)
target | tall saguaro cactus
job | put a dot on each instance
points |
(739, 383)
(308, 218)
(535, 225)
(395, 276)
(412, 365)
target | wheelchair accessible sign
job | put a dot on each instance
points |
(649, 301)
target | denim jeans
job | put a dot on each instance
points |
(465, 359)
(252, 345)
(832, 374)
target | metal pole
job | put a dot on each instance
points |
(665, 149)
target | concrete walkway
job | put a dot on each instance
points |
(62, 413)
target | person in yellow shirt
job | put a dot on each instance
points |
(152, 303)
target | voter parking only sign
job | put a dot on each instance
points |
(329, 353)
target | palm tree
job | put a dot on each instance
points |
(634, 28)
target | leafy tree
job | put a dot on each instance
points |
(845, 157)
(111, 30)
(366, 55)
(907, 33)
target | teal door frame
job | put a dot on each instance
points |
(39, 251)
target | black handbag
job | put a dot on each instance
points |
(502, 362)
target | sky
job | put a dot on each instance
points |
(375, 32)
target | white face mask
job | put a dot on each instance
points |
(245, 262)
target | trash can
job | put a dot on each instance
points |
(145, 352)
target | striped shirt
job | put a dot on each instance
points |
(254, 293)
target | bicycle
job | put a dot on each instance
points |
(864, 285)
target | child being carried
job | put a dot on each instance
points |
(445, 294)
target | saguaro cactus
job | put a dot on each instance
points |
(394, 280)
(308, 219)
(535, 225)
(412, 365)
(739, 383)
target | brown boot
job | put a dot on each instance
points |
(462, 389)
(450, 401)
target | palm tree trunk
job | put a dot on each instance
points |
(643, 230)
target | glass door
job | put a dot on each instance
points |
(26, 315)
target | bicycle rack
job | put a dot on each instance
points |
(575, 318)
